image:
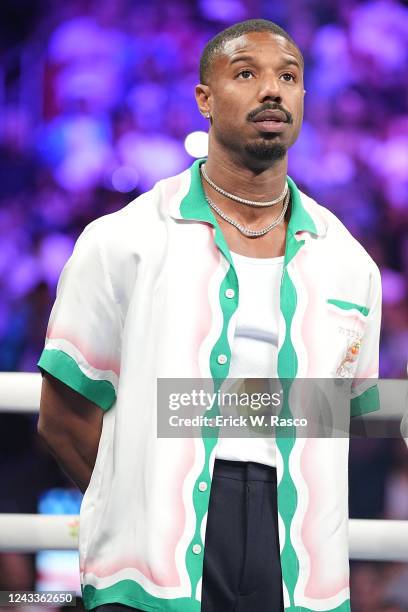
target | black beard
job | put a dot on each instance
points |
(266, 151)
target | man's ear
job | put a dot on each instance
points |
(202, 96)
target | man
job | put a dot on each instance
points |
(226, 270)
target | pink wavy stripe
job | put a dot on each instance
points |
(311, 328)
(308, 327)
(169, 189)
(165, 573)
(200, 284)
(178, 514)
(323, 580)
(126, 563)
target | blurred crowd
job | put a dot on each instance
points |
(96, 101)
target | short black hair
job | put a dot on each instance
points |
(215, 45)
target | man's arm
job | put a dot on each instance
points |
(71, 427)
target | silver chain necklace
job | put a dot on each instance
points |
(231, 196)
(246, 231)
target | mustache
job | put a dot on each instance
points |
(251, 116)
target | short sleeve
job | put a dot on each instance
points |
(83, 341)
(365, 395)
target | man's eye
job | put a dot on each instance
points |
(287, 76)
(245, 74)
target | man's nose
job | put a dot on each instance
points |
(270, 90)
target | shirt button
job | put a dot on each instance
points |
(202, 486)
(222, 359)
(229, 293)
(196, 549)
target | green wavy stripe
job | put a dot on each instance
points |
(209, 435)
(286, 437)
(287, 494)
(130, 593)
(194, 206)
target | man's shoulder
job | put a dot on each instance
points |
(338, 237)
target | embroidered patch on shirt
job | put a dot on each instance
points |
(346, 367)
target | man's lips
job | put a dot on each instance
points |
(271, 120)
(271, 115)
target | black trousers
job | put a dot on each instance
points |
(242, 571)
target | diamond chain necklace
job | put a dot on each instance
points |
(246, 231)
(231, 196)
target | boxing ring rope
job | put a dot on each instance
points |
(20, 391)
(369, 539)
(375, 540)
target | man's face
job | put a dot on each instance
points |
(255, 95)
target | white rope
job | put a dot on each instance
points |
(32, 532)
(369, 539)
(377, 540)
(19, 391)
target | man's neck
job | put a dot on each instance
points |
(259, 181)
(260, 184)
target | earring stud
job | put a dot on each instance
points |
(207, 115)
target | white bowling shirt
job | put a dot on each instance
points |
(151, 291)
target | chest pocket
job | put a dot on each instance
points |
(347, 322)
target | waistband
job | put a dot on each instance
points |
(244, 470)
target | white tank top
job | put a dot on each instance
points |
(255, 346)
